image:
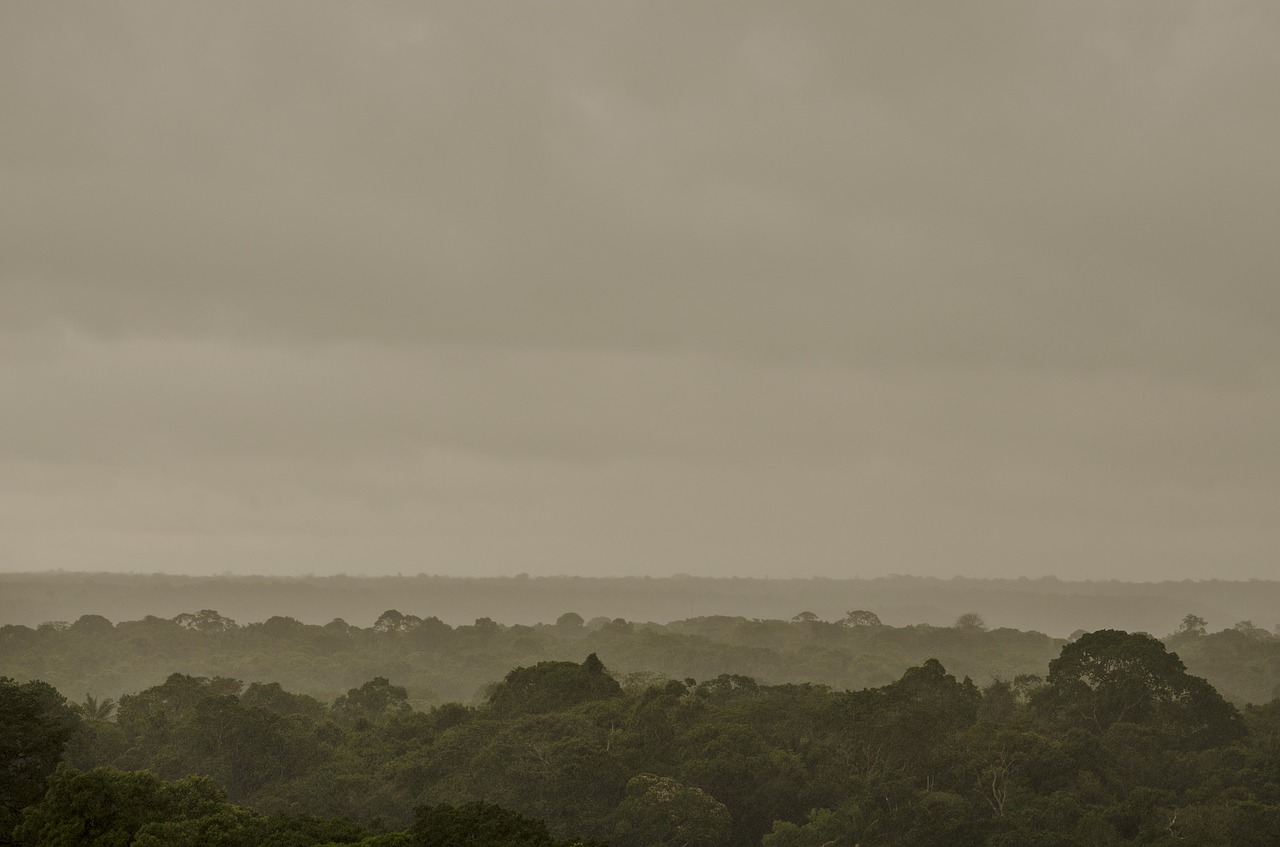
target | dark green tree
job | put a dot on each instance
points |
(1110, 676)
(1193, 625)
(36, 722)
(971, 622)
(107, 808)
(569, 622)
(549, 686)
(658, 811)
(374, 702)
(478, 824)
(861, 617)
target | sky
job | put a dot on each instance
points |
(718, 288)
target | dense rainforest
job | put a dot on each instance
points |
(440, 663)
(1110, 742)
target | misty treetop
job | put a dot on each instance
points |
(436, 662)
(1057, 607)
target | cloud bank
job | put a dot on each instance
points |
(641, 288)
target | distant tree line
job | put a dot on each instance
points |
(1056, 607)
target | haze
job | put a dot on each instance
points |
(641, 288)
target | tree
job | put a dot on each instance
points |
(206, 620)
(233, 826)
(570, 622)
(93, 709)
(621, 626)
(281, 626)
(970, 621)
(477, 824)
(727, 686)
(549, 686)
(658, 811)
(92, 625)
(824, 826)
(906, 722)
(373, 702)
(36, 723)
(155, 718)
(106, 807)
(271, 697)
(1250, 629)
(393, 621)
(861, 617)
(804, 617)
(1112, 676)
(431, 631)
(1192, 625)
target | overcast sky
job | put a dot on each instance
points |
(784, 289)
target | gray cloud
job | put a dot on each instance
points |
(641, 287)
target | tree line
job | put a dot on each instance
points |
(1057, 607)
(439, 663)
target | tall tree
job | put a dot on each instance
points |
(35, 724)
(1112, 676)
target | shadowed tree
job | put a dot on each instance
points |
(371, 703)
(479, 824)
(109, 807)
(1110, 676)
(970, 621)
(861, 617)
(92, 625)
(1192, 625)
(548, 686)
(35, 724)
(658, 811)
(570, 622)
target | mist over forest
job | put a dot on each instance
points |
(1049, 605)
(870, 711)
(713, 731)
(639, 424)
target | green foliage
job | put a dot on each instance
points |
(1110, 676)
(374, 702)
(36, 723)
(823, 826)
(93, 709)
(857, 617)
(658, 811)
(232, 827)
(206, 620)
(111, 808)
(1118, 744)
(435, 662)
(569, 621)
(478, 824)
(551, 686)
(1193, 625)
(108, 808)
(273, 698)
(970, 621)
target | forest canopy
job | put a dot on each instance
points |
(1114, 742)
(438, 663)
